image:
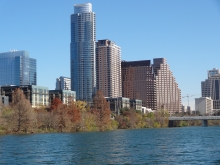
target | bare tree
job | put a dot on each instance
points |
(101, 110)
(23, 114)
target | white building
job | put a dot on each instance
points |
(204, 105)
(63, 83)
(146, 110)
(4, 100)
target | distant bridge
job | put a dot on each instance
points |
(184, 118)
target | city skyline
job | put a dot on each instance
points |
(184, 32)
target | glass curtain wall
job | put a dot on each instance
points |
(82, 49)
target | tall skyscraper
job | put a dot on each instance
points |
(210, 87)
(153, 84)
(108, 68)
(82, 51)
(16, 68)
(63, 83)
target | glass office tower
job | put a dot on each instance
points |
(16, 68)
(82, 52)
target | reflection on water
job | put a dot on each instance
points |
(189, 145)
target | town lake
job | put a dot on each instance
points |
(186, 145)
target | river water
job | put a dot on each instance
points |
(188, 145)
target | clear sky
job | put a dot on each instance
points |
(185, 32)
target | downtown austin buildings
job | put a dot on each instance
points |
(17, 68)
(96, 66)
(63, 83)
(153, 84)
(210, 87)
(82, 52)
(108, 68)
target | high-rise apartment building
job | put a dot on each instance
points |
(168, 92)
(108, 68)
(153, 84)
(210, 87)
(82, 51)
(205, 85)
(138, 82)
(17, 68)
(63, 83)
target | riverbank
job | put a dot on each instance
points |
(176, 124)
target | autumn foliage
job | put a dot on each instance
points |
(101, 110)
(20, 117)
(55, 104)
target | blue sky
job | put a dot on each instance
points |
(185, 32)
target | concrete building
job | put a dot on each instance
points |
(153, 84)
(210, 87)
(146, 110)
(66, 96)
(4, 100)
(136, 104)
(204, 105)
(37, 95)
(63, 83)
(108, 68)
(17, 68)
(116, 104)
(82, 52)
(168, 92)
(184, 108)
(189, 110)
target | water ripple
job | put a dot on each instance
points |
(189, 145)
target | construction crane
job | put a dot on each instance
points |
(188, 98)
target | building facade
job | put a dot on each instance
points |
(153, 84)
(136, 104)
(4, 100)
(66, 96)
(16, 68)
(184, 109)
(204, 105)
(82, 52)
(108, 68)
(214, 82)
(63, 83)
(138, 82)
(116, 104)
(37, 95)
(167, 91)
(210, 87)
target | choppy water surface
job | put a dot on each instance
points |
(189, 145)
